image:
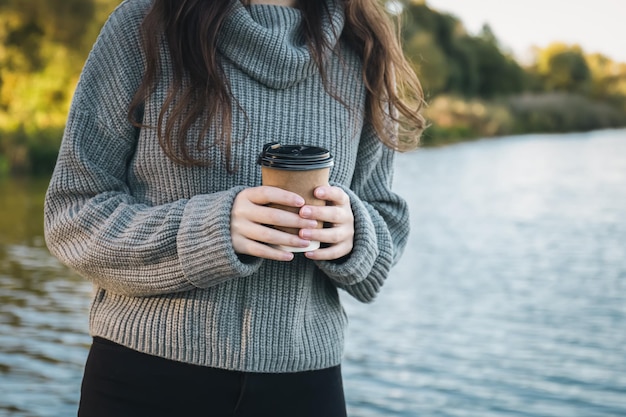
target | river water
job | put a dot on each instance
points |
(510, 299)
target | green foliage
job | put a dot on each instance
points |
(4, 166)
(454, 119)
(21, 208)
(450, 61)
(430, 63)
(608, 80)
(43, 44)
(23, 152)
(561, 112)
(500, 73)
(563, 68)
(475, 89)
(59, 21)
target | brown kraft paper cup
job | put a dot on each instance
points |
(297, 178)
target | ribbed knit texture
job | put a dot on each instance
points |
(154, 237)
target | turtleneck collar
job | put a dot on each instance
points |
(265, 42)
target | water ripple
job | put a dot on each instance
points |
(510, 300)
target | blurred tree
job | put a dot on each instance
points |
(487, 35)
(43, 44)
(449, 60)
(499, 74)
(563, 68)
(430, 62)
(58, 21)
(608, 80)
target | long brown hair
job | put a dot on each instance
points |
(191, 27)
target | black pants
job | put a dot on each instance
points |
(120, 382)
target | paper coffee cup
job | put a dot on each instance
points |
(299, 169)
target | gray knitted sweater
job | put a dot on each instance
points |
(153, 236)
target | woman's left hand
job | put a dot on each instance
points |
(337, 213)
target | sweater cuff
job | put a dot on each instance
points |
(205, 248)
(356, 266)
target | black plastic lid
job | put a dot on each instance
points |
(294, 157)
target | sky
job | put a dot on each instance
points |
(597, 26)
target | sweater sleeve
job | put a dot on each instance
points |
(381, 223)
(94, 224)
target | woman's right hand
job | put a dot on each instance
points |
(251, 220)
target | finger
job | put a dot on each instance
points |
(329, 254)
(244, 209)
(277, 217)
(335, 195)
(272, 236)
(266, 195)
(332, 235)
(328, 214)
(260, 250)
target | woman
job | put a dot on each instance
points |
(156, 199)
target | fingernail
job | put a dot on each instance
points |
(300, 201)
(305, 234)
(319, 192)
(305, 211)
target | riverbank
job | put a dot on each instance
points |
(454, 119)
